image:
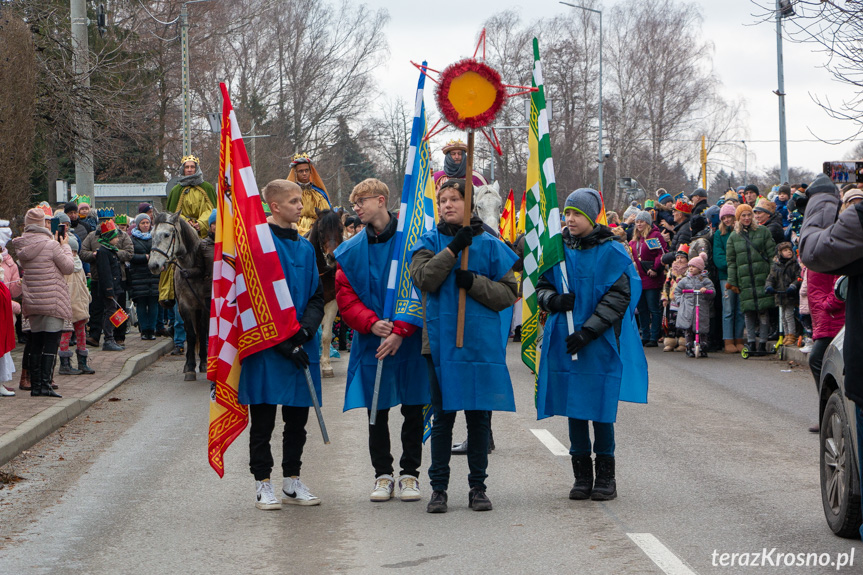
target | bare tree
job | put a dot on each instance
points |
(390, 135)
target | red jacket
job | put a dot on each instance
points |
(355, 313)
(828, 313)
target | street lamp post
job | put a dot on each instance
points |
(187, 97)
(600, 156)
(783, 9)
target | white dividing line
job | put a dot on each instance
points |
(660, 554)
(550, 441)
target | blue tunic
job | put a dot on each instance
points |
(474, 377)
(404, 378)
(268, 376)
(590, 387)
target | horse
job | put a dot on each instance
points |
(325, 235)
(177, 243)
(487, 204)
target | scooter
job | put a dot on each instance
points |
(777, 348)
(697, 334)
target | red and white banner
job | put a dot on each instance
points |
(252, 308)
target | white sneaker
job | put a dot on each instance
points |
(383, 490)
(409, 488)
(5, 391)
(295, 492)
(807, 345)
(265, 498)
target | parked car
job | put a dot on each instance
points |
(840, 476)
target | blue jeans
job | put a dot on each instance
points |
(860, 451)
(179, 328)
(148, 311)
(441, 440)
(579, 438)
(732, 316)
(650, 314)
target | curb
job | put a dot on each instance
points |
(50, 420)
(794, 354)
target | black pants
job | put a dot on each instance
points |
(816, 358)
(412, 442)
(120, 332)
(108, 309)
(263, 420)
(97, 311)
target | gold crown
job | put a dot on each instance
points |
(454, 145)
(302, 156)
(190, 158)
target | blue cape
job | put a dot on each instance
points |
(404, 378)
(590, 387)
(474, 377)
(268, 376)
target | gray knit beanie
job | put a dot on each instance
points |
(631, 211)
(644, 217)
(141, 217)
(586, 201)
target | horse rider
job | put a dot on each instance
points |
(193, 197)
(455, 165)
(315, 196)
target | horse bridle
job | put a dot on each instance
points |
(172, 259)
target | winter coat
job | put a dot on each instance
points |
(702, 243)
(108, 266)
(125, 251)
(720, 244)
(749, 253)
(682, 236)
(142, 283)
(672, 276)
(831, 242)
(784, 274)
(44, 262)
(804, 291)
(774, 224)
(649, 259)
(686, 303)
(10, 272)
(828, 312)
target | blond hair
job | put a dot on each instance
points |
(368, 188)
(274, 191)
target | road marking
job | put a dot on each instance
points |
(550, 441)
(660, 554)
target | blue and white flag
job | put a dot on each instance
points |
(416, 216)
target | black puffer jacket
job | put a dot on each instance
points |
(142, 283)
(682, 235)
(612, 307)
(774, 224)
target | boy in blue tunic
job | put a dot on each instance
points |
(276, 376)
(474, 378)
(361, 290)
(603, 287)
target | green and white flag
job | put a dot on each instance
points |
(543, 242)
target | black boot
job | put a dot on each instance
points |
(762, 347)
(690, 350)
(604, 488)
(47, 375)
(82, 364)
(36, 375)
(66, 367)
(582, 468)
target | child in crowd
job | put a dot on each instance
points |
(783, 283)
(276, 376)
(696, 279)
(673, 340)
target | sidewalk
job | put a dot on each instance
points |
(26, 420)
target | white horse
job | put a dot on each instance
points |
(488, 205)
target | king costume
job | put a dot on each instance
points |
(314, 193)
(193, 198)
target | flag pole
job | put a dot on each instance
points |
(468, 196)
(373, 412)
(317, 405)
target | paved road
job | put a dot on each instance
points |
(719, 460)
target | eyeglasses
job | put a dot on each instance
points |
(359, 202)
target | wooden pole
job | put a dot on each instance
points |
(468, 197)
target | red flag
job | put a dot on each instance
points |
(507, 219)
(252, 308)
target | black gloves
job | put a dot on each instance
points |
(294, 353)
(791, 290)
(576, 341)
(299, 338)
(462, 239)
(561, 303)
(769, 290)
(464, 278)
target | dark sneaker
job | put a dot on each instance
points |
(437, 503)
(112, 346)
(178, 350)
(651, 344)
(478, 500)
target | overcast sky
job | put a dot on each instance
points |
(744, 60)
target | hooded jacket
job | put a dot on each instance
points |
(649, 259)
(44, 262)
(749, 253)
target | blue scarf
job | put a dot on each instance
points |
(140, 235)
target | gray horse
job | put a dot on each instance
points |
(177, 243)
